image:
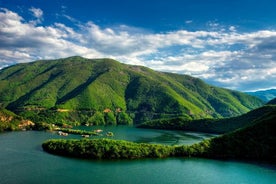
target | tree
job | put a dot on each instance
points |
(110, 119)
(124, 119)
(97, 119)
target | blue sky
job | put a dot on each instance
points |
(230, 44)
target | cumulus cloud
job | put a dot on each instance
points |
(23, 41)
(224, 57)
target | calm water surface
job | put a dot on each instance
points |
(22, 160)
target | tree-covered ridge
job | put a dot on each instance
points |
(93, 85)
(62, 117)
(265, 95)
(255, 142)
(105, 149)
(219, 126)
(272, 102)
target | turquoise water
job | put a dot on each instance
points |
(22, 160)
(149, 135)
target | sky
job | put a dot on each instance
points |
(230, 44)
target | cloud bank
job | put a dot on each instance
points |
(223, 57)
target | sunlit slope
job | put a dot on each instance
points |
(10, 121)
(77, 83)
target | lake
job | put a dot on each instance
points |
(22, 160)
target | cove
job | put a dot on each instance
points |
(22, 160)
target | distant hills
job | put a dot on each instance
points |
(265, 95)
(105, 91)
(218, 126)
(272, 102)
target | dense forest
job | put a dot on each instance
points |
(218, 126)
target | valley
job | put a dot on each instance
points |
(137, 92)
(146, 114)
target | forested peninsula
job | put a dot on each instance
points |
(255, 142)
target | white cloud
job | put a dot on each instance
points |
(232, 28)
(21, 41)
(244, 61)
(38, 14)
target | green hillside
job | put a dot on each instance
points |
(104, 91)
(272, 102)
(211, 125)
(265, 95)
(10, 121)
(253, 142)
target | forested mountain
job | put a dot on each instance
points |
(265, 95)
(256, 141)
(105, 91)
(272, 102)
(219, 126)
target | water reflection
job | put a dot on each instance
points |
(151, 136)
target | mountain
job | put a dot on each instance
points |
(105, 91)
(265, 95)
(248, 136)
(272, 102)
(253, 142)
(218, 126)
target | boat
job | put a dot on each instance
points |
(85, 136)
(62, 133)
(98, 131)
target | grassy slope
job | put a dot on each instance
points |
(77, 83)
